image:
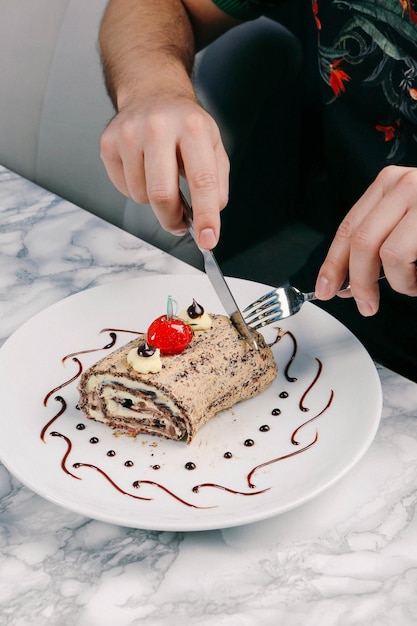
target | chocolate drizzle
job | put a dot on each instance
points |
(297, 430)
(197, 488)
(111, 481)
(138, 483)
(68, 382)
(113, 338)
(60, 412)
(120, 330)
(248, 442)
(282, 334)
(280, 458)
(303, 397)
(67, 453)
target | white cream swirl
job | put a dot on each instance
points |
(145, 364)
(202, 322)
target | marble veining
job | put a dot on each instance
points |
(50, 249)
(348, 557)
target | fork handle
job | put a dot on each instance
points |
(344, 287)
(346, 283)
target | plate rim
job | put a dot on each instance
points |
(181, 526)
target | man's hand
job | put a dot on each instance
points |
(149, 144)
(380, 229)
(160, 132)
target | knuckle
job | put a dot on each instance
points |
(106, 145)
(393, 175)
(124, 126)
(196, 123)
(204, 181)
(409, 182)
(361, 240)
(345, 229)
(390, 255)
(155, 126)
(387, 174)
(159, 196)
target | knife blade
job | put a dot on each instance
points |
(218, 282)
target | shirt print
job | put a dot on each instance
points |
(376, 46)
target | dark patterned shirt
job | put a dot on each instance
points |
(367, 60)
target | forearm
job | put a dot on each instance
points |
(147, 47)
(160, 132)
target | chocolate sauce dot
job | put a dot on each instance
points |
(227, 455)
(304, 408)
(77, 406)
(129, 464)
(80, 426)
(145, 351)
(283, 394)
(264, 428)
(249, 442)
(94, 440)
(111, 453)
(127, 403)
(190, 465)
(156, 467)
(276, 412)
(195, 310)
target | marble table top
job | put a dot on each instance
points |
(347, 557)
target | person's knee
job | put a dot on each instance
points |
(234, 77)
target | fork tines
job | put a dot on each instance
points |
(259, 313)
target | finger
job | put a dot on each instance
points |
(336, 264)
(134, 173)
(383, 231)
(346, 293)
(338, 261)
(113, 162)
(162, 184)
(161, 169)
(223, 171)
(124, 160)
(207, 168)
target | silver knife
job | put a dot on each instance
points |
(218, 282)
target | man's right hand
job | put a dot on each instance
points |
(160, 132)
(151, 142)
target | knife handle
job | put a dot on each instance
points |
(188, 214)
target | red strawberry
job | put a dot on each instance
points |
(170, 335)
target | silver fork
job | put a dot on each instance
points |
(280, 303)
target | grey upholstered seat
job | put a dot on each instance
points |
(53, 108)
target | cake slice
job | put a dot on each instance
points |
(214, 372)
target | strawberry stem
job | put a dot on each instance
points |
(170, 308)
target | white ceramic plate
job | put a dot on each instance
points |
(335, 383)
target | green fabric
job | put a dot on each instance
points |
(238, 9)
